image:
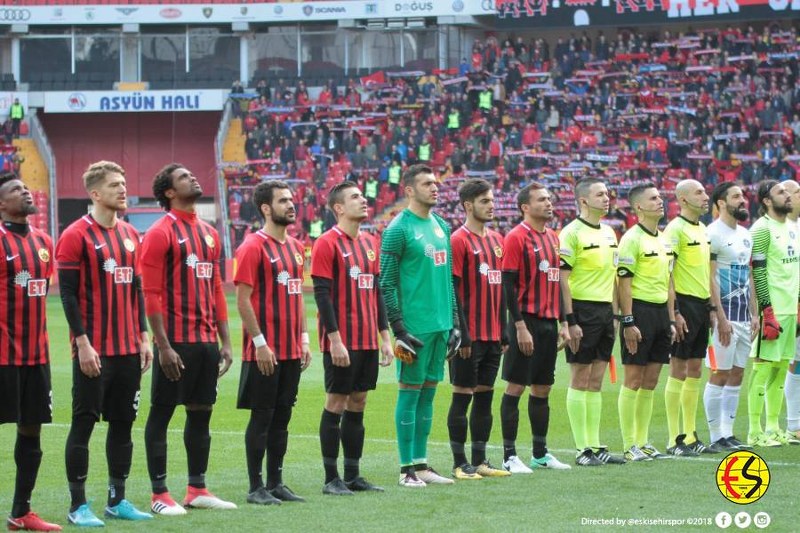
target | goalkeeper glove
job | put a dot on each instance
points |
(405, 344)
(453, 343)
(770, 327)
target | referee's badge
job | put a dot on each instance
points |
(498, 251)
(129, 245)
(210, 241)
(44, 255)
(371, 255)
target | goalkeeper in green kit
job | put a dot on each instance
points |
(417, 285)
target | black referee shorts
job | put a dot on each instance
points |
(257, 391)
(198, 382)
(479, 369)
(360, 376)
(539, 368)
(596, 319)
(698, 320)
(26, 397)
(653, 323)
(114, 394)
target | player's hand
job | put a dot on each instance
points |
(632, 337)
(770, 327)
(563, 336)
(88, 359)
(386, 353)
(755, 327)
(339, 355)
(673, 333)
(524, 340)
(405, 347)
(504, 342)
(171, 363)
(305, 356)
(575, 336)
(453, 343)
(724, 331)
(145, 353)
(265, 360)
(465, 352)
(712, 319)
(226, 359)
(681, 328)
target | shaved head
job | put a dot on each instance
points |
(686, 187)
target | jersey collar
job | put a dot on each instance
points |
(647, 230)
(595, 226)
(689, 221)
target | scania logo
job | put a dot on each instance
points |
(308, 10)
(14, 15)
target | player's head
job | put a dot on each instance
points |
(420, 185)
(16, 200)
(773, 199)
(477, 199)
(275, 201)
(105, 183)
(691, 196)
(728, 197)
(347, 202)
(534, 202)
(175, 182)
(645, 200)
(592, 196)
(793, 188)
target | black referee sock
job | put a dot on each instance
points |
(352, 442)
(155, 445)
(539, 415)
(76, 456)
(28, 457)
(329, 438)
(277, 440)
(197, 440)
(255, 444)
(119, 453)
(480, 424)
(457, 426)
(509, 421)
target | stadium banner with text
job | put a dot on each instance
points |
(7, 98)
(555, 13)
(165, 13)
(134, 101)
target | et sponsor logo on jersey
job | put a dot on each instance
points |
(202, 270)
(439, 256)
(364, 281)
(553, 274)
(293, 285)
(743, 477)
(36, 288)
(494, 277)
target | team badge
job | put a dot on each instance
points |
(298, 258)
(438, 231)
(498, 251)
(44, 255)
(210, 241)
(129, 245)
(371, 255)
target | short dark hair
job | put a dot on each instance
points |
(524, 194)
(720, 192)
(336, 196)
(583, 186)
(5, 177)
(637, 190)
(472, 188)
(264, 192)
(411, 173)
(163, 182)
(764, 189)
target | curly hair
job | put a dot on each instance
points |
(163, 182)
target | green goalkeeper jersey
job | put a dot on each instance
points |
(416, 273)
(776, 273)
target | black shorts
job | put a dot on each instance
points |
(360, 376)
(26, 397)
(596, 319)
(540, 368)
(198, 382)
(653, 323)
(481, 367)
(257, 391)
(114, 394)
(698, 320)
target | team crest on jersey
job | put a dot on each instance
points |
(438, 232)
(298, 258)
(129, 245)
(498, 251)
(747, 243)
(371, 255)
(210, 241)
(44, 255)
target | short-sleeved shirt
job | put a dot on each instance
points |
(534, 255)
(352, 266)
(691, 272)
(590, 252)
(731, 249)
(647, 258)
(274, 270)
(477, 263)
(776, 243)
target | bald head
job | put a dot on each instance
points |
(685, 188)
(692, 198)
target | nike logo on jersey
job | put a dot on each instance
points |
(181, 241)
(347, 254)
(275, 260)
(536, 250)
(11, 257)
(476, 252)
(418, 236)
(730, 244)
(98, 246)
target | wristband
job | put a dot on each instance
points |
(259, 341)
(304, 339)
(712, 308)
(571, 320)
(627, 321)
(671, 322)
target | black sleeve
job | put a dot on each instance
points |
(322, 295)
(383, 319)
(142, 313)
(503, 318)
(69, 281)
(466, 341)
(510, 290)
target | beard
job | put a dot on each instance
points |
(283, 220)
(739, 213)
(782, 209)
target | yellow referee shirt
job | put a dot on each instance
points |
(647, 258)
(590, 252)
(691, 248)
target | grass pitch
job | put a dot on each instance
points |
(683, 491)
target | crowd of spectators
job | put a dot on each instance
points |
(716, 105)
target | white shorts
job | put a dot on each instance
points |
(738, 350)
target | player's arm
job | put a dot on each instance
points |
(454, 340)
(327, 315)
(770, 327)
(145, 348)
(305, 339)
(511, 263)
(265, 357)
(383, 330)
(724, 328)
(226, 352)
(755, 323)
(626, 270)
(392, 248)
(466, 341)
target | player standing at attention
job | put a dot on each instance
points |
(187, 312)
(25, 395)
(776, 276)
(737, 318)
(417, 285)
(532, 294)
(792, 384)
(345, 269)
(693, 316)
(269, 295)
(477, 275)
(588, 288)
(101, 291)
(648, 327)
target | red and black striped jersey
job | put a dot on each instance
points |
(477, 262)
(109, 302)
(24, 280)
(535, 256)
(274, 270)
(180, 268)
(353, 266)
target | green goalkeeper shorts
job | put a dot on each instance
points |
(429, 365)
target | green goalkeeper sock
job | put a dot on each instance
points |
(405, 417)
(756, 394)
(774, 396)
(423, 425)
